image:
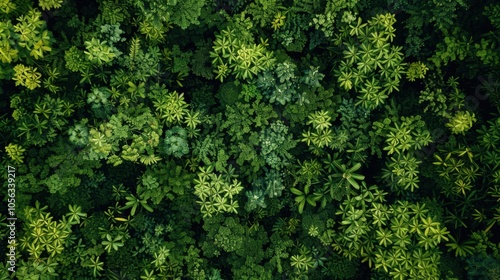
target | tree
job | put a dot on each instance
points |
(134, 202)
(15, 152)
(149, 123)
(216, 195)
(27, 76)
(303, 197)
(371, 65)
(234, 55)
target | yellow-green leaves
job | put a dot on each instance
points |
(320, 120)
(402, 172)
(403, 138)
(461, 170)
(7, 53)
(416, 70)
(461, 122)
(29, 32)
(99, 52)
(136, 90)
(112, 243)
(278, 21)
(215, 193)
(50, 4)
(43, 236)
(15, 152)
(27, 76)
(171, 107)
(232, 55)
(192, 119)
(302, 262)
(6, 6)
(322, 136)
(410, 134)
(41, 46)
(358, 28)
(371, 65)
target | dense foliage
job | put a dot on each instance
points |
(250, 139)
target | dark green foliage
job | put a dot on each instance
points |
(274, 182)
(483, 266)
(264, 11)
(98, 99)
(275, 143)
(250, 139)
(200, 62)
(280, 90)
(185, 13)
(256, 199)
(341, 268)
(243, 121)
(141, 64)
(233, 54)
(39, 122)
(436, 16)
(293, 35)
(164, 181)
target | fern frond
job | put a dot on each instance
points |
(135, 48)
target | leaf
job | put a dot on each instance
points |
(147, 207)
(355, 167)
(358, 176)
(311, 200)
(301, 206)
(296, 191)
(353, 183)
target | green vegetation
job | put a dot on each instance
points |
(250, 139)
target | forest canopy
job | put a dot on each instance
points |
(250, 139)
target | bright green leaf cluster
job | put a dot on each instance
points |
(461, 122)
(49, 4)
(321, 122)
(7, 6)
(99, 52)
(27, 76)
(416, 70)
(216, 194)
(43, 236)
(232, 56)
(371, 65)
(15, 152)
